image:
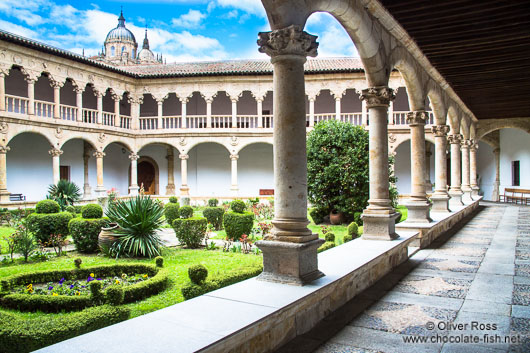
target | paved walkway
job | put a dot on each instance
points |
(475, 286)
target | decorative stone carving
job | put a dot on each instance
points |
(102, 137)
(455, 139)
(288, 41)
(234, 157)
(4, 127)
(182, 141)
(234, 141)
(466, 143)
(134, 157)
(55, 152)
(59, 133)
(417, 118)
(380, 96)
(4, 149)
(392, 138)
(99, 154)
(184, 156)
(440, 130)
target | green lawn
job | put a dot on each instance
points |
(4, 231)
(176, 260)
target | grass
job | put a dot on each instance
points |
(176, 260)
(404, 213)
(4, 231)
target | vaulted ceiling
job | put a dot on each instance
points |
(482, 49)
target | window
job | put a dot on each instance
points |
(112, 51)
(64, 172)
(122, 50)
(516, 180)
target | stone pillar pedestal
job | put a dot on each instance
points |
(117, 117)
(337, 108)
(133, 188)
(184, 189)
(259, 104)
(290, 250)
(234, 188)
(418, 206)
(466, 186)
(440, 198)
(56, 100)
(473, 168)
(4, 194)
(79, 103)
(379, 217)
(234, 112)
(455, 190)
(160, 106)
(99, 96)
(184, 122)
(56, 153)
(497, 182)
(87, 190)
(170, 188)
(100, 188)
(31, 96)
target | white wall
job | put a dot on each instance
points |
(485, 169)
(403, 164)
(209, 170)
(255, 169)
(515, 146)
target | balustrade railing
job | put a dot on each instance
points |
(148, 123)
(108, 118)
(400, 118)
(247, 121)
(268, 121)
(44, 109)
(171, 122)
(125, 122)
(352, 118)
(68, 112)
(221, 121)
(90, 116)
(18, 105)
(196, 121)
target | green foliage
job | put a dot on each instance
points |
(190, 231)
(186, 212)
(237, 224)
(347, 238)
(185, 201)
(159, 261)
(96, 295)
(138, 218)
(213, 202)
(173, 199)
(330, 237)
(197, 273)
(25, 242)
(24, 335)
(171, 212)
(214, 215)
(65, 193)
(353, 230)
(70, 209)
(318, 214)
(78, 262)
(44, 225)
(238, 206)
(47, 206)
(85, 233)
(357, 218)
(327, 245)
(114, 295)
(92, 210)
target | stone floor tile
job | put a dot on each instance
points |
(469, 348)
(424, 300)
(434, 286)
(491, 288)
(521, 311)
(479, 306)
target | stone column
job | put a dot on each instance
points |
(234, 112)
(455, 190)
(160, 104)
(260, 112)
(290, 250)
(79, 103)
(466, 187)
(440, 198)
(170, 188)
(117, 118)
(56, 99)
(133, 188)
(418, 206)
(337, 107)
(473, 168)
(100, 188)
(379, 217)
(99, 96)
(428, 154)
(391, 114)
(31, 96)
(184, 189)
(497, 183)
(87, 190)
(209, 102)
(4, 194)
(183, 113)
(311, 111)
(234, 188)
(3, 94)
(135, 124)
(364, 113)
(55, 153)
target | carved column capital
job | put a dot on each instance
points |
(380, 96)
(466, 143)
(184, 156)
(116, 98)
(455, 139)
(474, 145)
(134, 157)
(99, 154)
(55, 152)
(56, 84)
(4, 149)
(234, 157)
(440, 130)
(418, 117)
(291, 40)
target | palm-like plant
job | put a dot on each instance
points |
(65, 193)
(138, 220)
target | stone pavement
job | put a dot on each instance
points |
(472, 285)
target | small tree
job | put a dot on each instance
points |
(65, 193)
(25, 242)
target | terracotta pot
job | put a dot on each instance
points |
(336, 218)
(106, 237)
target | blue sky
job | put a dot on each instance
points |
(182, 30)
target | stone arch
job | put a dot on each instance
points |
(454, 119)
(187, 149)
(487, 126)
(78, 136)
(438, 103)
(154, 142)
(413, 81)
(22, 129)
(464, 127)
(399, 141)
(243, 145)
(153, 179)
(118, 140)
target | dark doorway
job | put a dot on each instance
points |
(146, 177)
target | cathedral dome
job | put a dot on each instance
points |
(120, 33)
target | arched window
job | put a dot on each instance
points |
(112, 51)
(122, 50)
(134, 53)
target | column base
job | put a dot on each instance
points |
(87, 191)
(4, 196)
(290, 263)
(380, 224)
(466, 196)
(440, 202)
(170, 189)
(185, 191)
(133, 190)
(456, 198)
(419, 211)
(101, 191)
(234, 190)
(474, 191)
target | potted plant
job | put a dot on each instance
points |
(336, 217)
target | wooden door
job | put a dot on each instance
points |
(146, 177)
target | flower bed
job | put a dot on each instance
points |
(69, 290)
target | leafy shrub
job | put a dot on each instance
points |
(330, 237)
(47, 206)
(237, 224)
(171, 212)
(20, 335)
(347, 238)
(24, 241)
(139, 219)
(114, 295)
(186, 212)
(173, 199)
(92, 210)
(70, 209)
(197, 273)
(190, 231)
(357, 218)
(318, 214)
(353, 230)
(159, 261)
(238, 206)
(96, 295)
(44, 225)
(213, 202)
(85, 233)
(327, 245)
(78, 262)
(214, 215)
(78, 208)
(65, 193)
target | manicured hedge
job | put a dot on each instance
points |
(44, 225)
(192, 290)
(47, 206)
(171, 212)
(326, 246)
(186, 212)
(191, 231)
(214, 215)
(237, 224)
(318, 214)
(85, 233)
(25, 335)
(92, 210)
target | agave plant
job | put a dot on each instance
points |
(65, 193)
(138, 220)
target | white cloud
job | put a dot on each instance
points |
(24, 10)
(192, 19)
(20, 30)
(254, 7)
(332, 38)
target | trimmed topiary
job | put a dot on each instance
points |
(347, 238)
(214, 215)
(326, 246)
(197, 273)
(318, 214)
(357, 218)
(186, 212)
(237, 224)
(44, 225)
(91, 211)
(47, 207)
(213, 202)
(96, 295)
(78, 262)
(238, 206)
(70, 209)
(171, 212)
(330, 237)
(353, 230)
(159, 261)
(114, 295)
(190, 231)
(173, 199)
(85, 233)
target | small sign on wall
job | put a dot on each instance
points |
(266, 192)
